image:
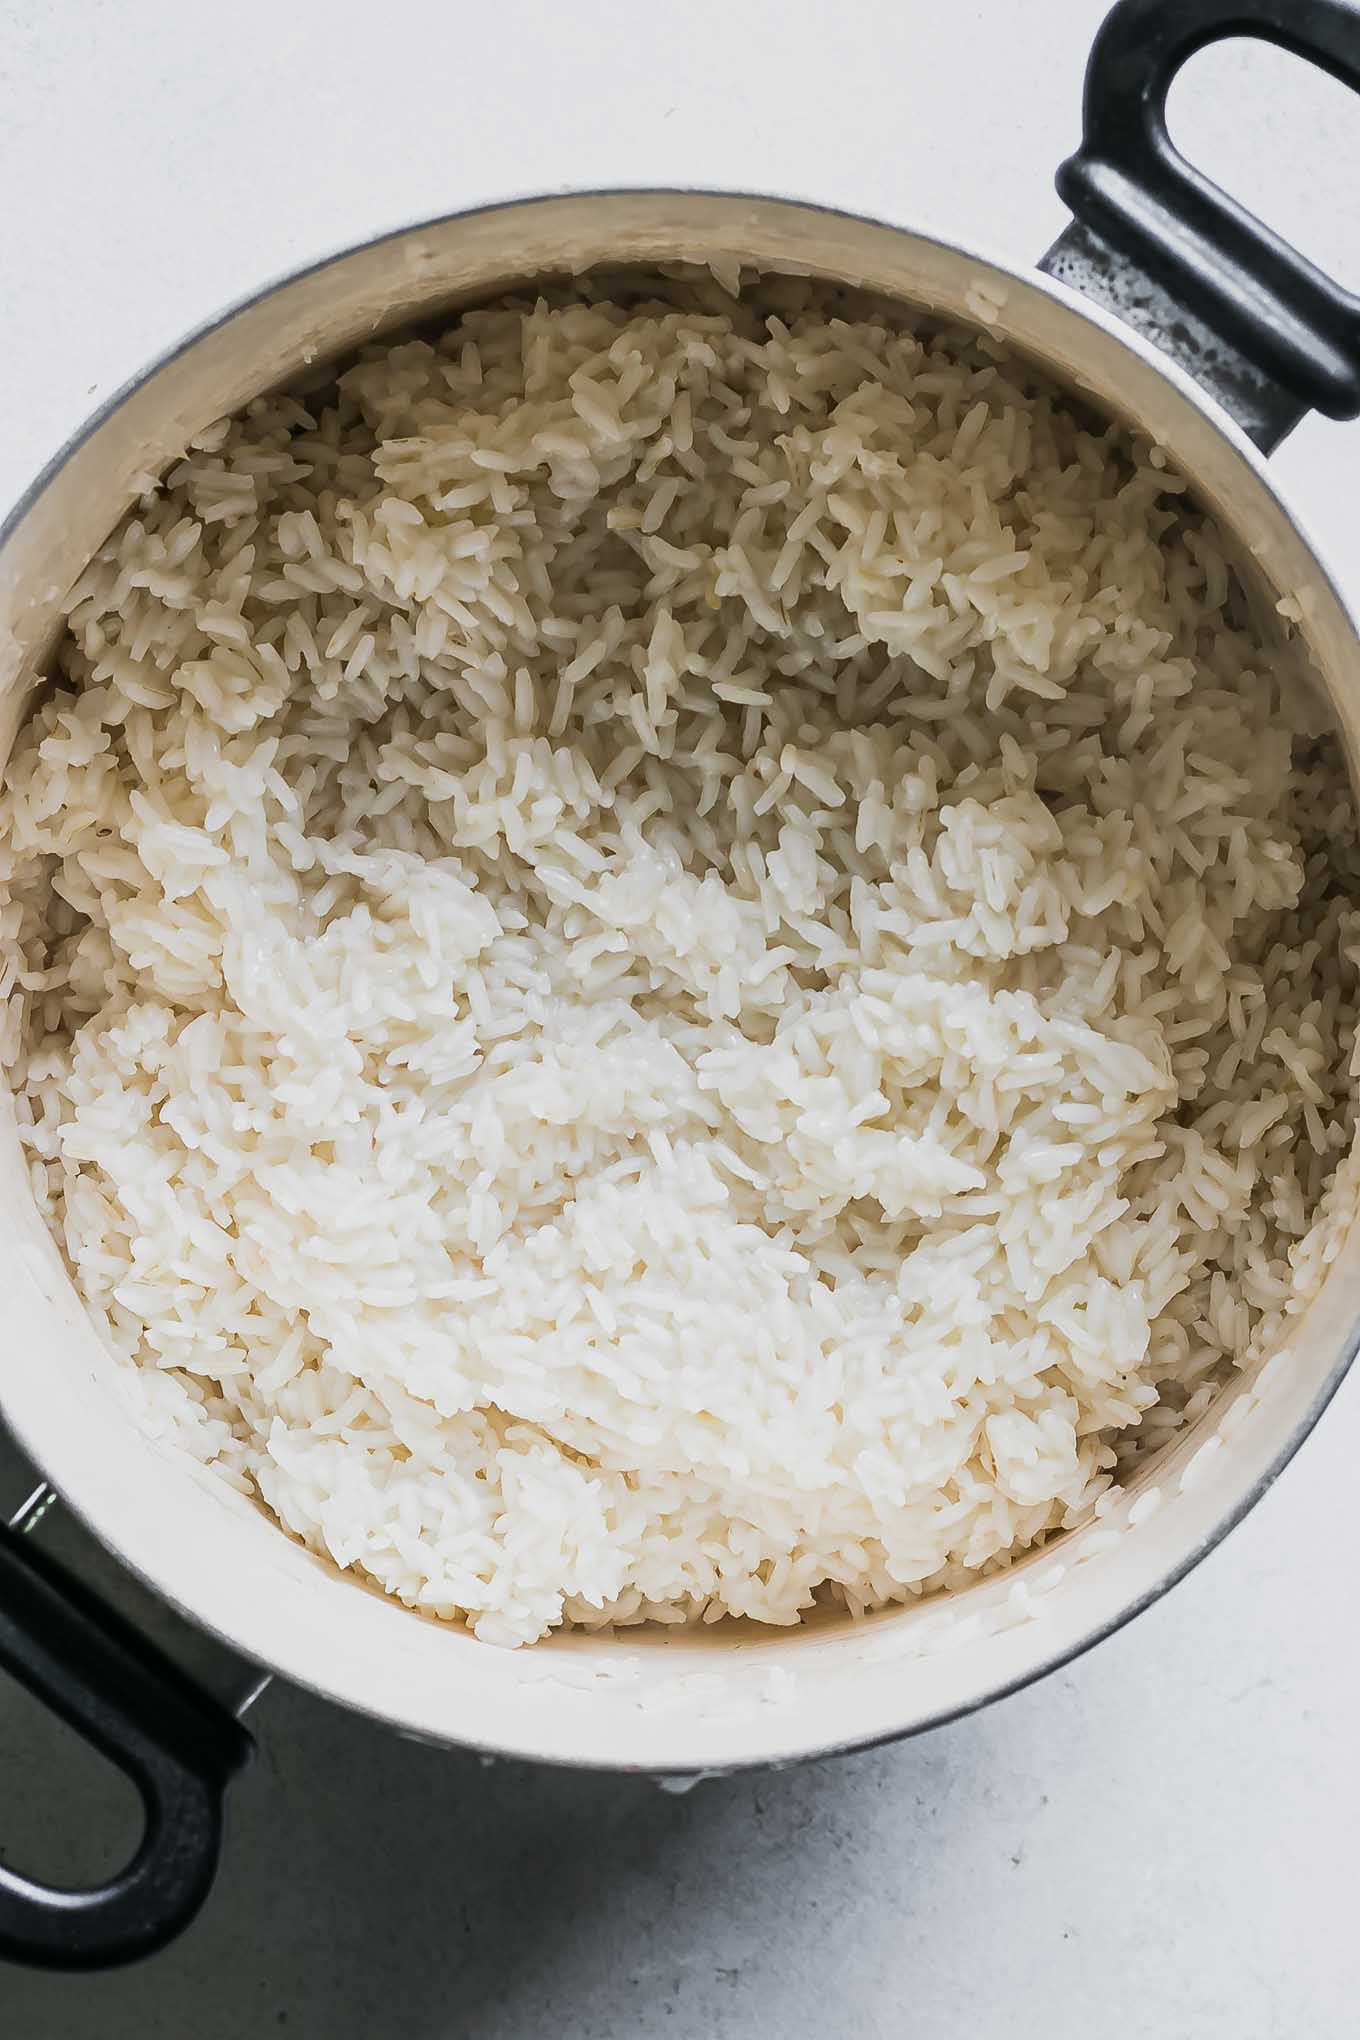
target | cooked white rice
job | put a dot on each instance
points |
(662, 963)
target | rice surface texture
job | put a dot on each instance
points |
(676, 955)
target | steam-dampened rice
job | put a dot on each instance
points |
(663, 960)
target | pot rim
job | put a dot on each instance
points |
(1062, 293)
(784, 1747)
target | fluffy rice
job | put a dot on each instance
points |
(665, 960)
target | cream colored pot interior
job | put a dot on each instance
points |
(666, 1701)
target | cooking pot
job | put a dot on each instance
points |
(1163, 304)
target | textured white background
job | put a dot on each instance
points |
(1159, 1844)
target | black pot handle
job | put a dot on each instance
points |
(179, 1748)
(1161, 245)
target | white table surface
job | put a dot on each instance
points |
(1159, 1843)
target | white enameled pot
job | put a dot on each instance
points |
(667, 1701)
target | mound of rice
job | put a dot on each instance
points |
(663, 960)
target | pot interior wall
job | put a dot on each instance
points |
(661, 1699)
